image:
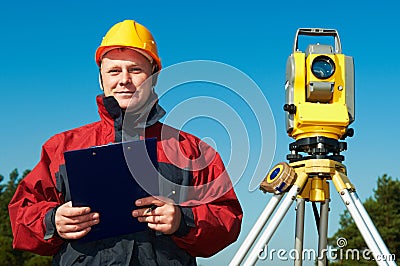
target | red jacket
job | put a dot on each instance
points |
(217, 222)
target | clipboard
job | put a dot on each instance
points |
(109, 179)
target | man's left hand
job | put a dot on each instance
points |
(165, 218)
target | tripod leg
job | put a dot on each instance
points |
(262, 220)
(316, 215)
(375, 234)
(362, 227)
(323, 232)
(362, 219)
(272, 226)
(298, 245)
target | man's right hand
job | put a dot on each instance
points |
(74, 222)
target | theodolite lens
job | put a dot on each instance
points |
(323, 67)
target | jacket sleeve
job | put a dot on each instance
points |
(217, 222)
(35, 196)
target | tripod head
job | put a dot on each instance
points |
(319, 97)
(317, 148)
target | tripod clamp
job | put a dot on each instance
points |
(318, 147)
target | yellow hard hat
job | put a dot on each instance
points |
(130, 34)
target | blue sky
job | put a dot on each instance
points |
(49, 79)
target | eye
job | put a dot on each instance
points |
(135, 70)
(114, 70)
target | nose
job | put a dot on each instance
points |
(125, 78)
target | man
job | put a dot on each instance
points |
(42, 216)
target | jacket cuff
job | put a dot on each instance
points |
(50, 223)
(187, 222)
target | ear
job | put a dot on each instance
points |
(154, 76)
(101, 80)
(154, 79)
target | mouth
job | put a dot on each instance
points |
(124, 93)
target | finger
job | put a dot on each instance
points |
(74, 228)
(68, 211)
(163, 210)
(148, 201)
(154, 219)
(141, 212)
(149, 211)
(75, 235)
(78, 219)
(153, 200)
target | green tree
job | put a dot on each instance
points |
(9, 256)
(384, 210)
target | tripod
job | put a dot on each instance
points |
(307, 178)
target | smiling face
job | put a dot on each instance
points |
(123, 71)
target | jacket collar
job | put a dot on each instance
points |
(129, 125)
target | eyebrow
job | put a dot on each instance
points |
(119, 66)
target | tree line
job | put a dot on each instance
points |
(384, 210)
(9, 256)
